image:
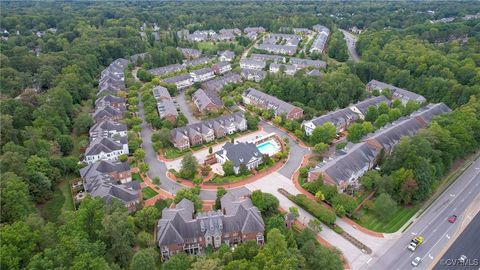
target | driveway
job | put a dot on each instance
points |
(182, 103)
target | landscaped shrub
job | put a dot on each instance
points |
(348, 202)
(319, 211)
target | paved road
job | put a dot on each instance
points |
(182, 103)
(296, 151)
(468, 244)
(158, 168)
(351, 41)
(432, 224)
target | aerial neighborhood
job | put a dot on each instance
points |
(239, 135)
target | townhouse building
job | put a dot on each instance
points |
(262, 100)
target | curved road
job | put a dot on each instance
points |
(158, 168)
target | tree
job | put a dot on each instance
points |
(82, 123)
(324, 133)
(315, 225)
(355, 132)
(119, 237)
(220, 192)
(143, 167)
(228, 168)
(156, 180)
(321, 148)
(189, 166)
(277, 120)
(265, 202)
(372, 114)
(243, 170)
(143, 260)
(274, 254)
(66, 144)
(146, 218)
(319, 196)
(252, 121)
(384, 206)
(139, 154)
(382, 120)
(203, 263)
(145, 240)
(383, 108)
(191, 194)
(15, 202)
(123, 157)
(319, 257)
(370, 180)
(180, 261)
(162, 137)
(294, 211)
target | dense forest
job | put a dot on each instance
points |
(52, 53)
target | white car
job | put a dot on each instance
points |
(416, 261)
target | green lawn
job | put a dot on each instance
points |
(148, 193)
(137, 177)
(174, 152)
(61, 201)
(370, 221)
(219, 179)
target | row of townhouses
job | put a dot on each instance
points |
(105, 176)
(343, 117)
(181, 231)
(208, 130)
(258, 62)
(320, 41)
(349, 164)
(207, 99)
(222, 35)
(165, 106)
(200, 75)
(397, 92)
(280, 44)
(112, 79)
(259, 99)
(193, 58)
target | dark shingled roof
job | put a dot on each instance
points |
(240, 152)
(280, 106)
(177, 225)
(104, 167)
(362, 106)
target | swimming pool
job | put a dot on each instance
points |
(269, 148)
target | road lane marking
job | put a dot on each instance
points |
(369, 260)
(452, 195)
(448, 236)
(430, 256)
(413, 233)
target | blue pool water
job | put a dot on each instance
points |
(268, 148)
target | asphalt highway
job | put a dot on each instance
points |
(468, 244)
(432, 225)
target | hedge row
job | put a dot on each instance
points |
(319, 211)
